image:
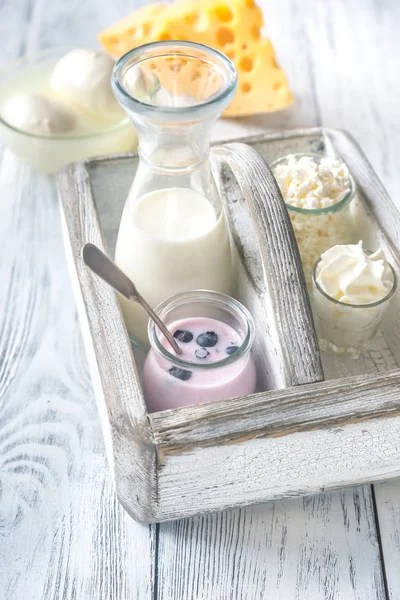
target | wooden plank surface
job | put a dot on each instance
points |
(285, 317)
(357, 42)
(323, 546)
(387, 496)
(119, 397)
(61, 533)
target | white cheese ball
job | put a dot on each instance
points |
(37, 114)
(83, 77)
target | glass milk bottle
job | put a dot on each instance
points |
(173, 235)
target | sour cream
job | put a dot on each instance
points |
(348, 274)
(351, 292)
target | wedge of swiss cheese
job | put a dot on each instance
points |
(231, 26)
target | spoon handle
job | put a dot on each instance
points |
(154, 316)
(105, 268)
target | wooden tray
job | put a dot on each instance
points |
(304, 435)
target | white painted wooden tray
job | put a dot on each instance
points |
(304, 434)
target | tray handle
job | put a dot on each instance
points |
(277, 294)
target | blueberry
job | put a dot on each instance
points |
(207, 339)
(183, 336)
(180, 373)
(231, 350)
(202, 353)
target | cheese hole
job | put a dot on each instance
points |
(250, 4)
(245, 87)
(146, 28)
(224, 14)
(255, 32)
(244, 46)
(195, 75)
(176, 67)
(246, 64)
(198, 20)
(225, 36)
(132, 30)
(277, 86)
(152, 66)
(165, 36)
(191, 18)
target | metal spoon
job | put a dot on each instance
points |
(105, 268)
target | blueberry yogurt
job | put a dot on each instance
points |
(215, 364)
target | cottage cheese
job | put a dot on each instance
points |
(312, 185)
(308, 184)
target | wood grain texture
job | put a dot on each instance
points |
(363, 102)
(266, 468)
(353, 48)
(268, 252)
(282, 412)
(387, 496)
(323, 547)
(63, 535)
(122, 409)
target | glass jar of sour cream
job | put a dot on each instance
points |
(352, 289)
(318, 192)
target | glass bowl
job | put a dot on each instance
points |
(319, 229)
(45, 153)
(171, 381)
(347, 328)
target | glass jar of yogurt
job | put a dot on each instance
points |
(173, 234)
(318, 192)
(352, 290)
(216, 334)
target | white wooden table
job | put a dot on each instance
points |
(62, 533)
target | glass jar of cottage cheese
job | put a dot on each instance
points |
(318, 192)
(352, 289)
